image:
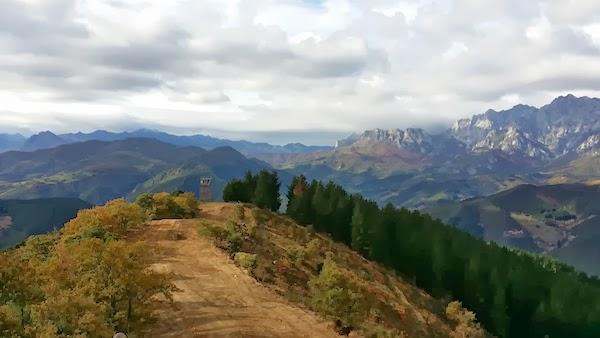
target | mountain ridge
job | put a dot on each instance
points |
(48, 139)
(97, 171)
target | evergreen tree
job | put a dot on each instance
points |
(236, 191)
(266, 195)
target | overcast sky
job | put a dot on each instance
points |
(286, 70)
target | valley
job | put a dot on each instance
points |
(556, 220)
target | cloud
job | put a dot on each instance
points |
(266, 68)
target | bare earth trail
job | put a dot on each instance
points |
(217, 299)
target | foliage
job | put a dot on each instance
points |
(228, 238)
(261, 189)
(114, 219)
(466, 325)
(513, 294)
(86, 281)
(164, 205)
(246, 261)
(337, 297)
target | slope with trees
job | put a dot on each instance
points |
(84, 281)
(514, 294)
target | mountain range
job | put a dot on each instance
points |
(493, 151)
(97, 171)
(47, 139)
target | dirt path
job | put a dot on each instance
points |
(217, 298)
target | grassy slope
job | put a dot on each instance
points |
(30, 217)
(288, 256)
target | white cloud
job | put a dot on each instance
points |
(267, 67)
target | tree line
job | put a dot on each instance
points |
(513, 293)
(261, 189)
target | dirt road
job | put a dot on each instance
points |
(217, 298)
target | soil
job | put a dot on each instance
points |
(218, 299)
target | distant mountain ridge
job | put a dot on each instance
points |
(568, 124)
(489, 152)
(97, 171)
(47, 139)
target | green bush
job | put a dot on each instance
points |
(164, 205)
(228, 238)
(246, 261)
(336, 297)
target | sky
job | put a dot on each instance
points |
(283, 71)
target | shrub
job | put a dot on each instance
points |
(228, 238)
(239, 213)
(110, 220)
(465, 320)
(246, 261)
(336, 297)
(313, 247)
(380, 332)
(295, 253)
(260, 215)
(164, 205)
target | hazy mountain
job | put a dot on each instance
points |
(47, 139)
(558, 220)
(22, 218)
(43, 140)
(11, 142)
(97, 171)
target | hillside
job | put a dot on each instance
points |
(272, 298)
(97, 171)
(22, 218)
(228, 270)
(558, 220)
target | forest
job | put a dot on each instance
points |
(513, 293)
(88, 279)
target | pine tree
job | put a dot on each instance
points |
(266, 195)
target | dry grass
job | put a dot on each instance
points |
(288, 256)
(218, 299)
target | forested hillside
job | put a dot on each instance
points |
(514, 294)
(557, 220)
(84, 281)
